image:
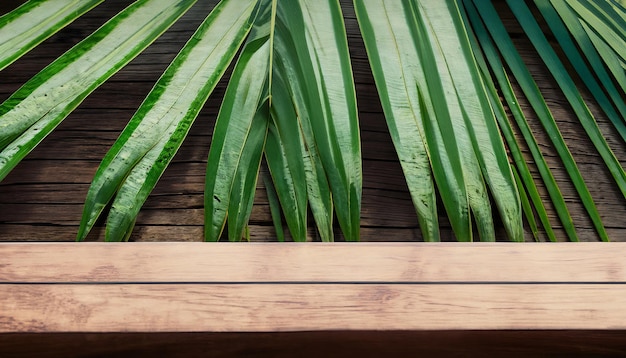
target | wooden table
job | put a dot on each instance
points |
(402, 297)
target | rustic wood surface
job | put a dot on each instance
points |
(41, 200)
(309, 307)
(376, 287)
(319, 263)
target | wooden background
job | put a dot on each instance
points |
(41, 200)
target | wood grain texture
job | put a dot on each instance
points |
(300, 307)
(395, 294)
(41, 200)
(312, 263)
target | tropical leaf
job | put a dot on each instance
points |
(291, 98)
(32, 112)
(244, 184)
(442, 98)
(568, 86)
(27, 26)
(487, 52)
(605, 22)
(598, 28)
(245, 96)
(311, 51)
(138, 158)
(611, 59)
(576, 59)
(525, 183)
(393, 67)
(530, 89)
(284, 157)
(272, 198)
(312, 114)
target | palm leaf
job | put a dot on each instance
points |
(523, 177)
(274, 204)
(313, 126)
(601, 26)
(395, 75)
(244, 183)
(27, 26)
(32, 112)
(611, 59)
(530, 89)
(605, 22)
(496, 67)
(570, 91)
(459, 125)
(154, 134)
(576, 59)
(291, 97)
(285, 161)
(311, 51)
(245, 96)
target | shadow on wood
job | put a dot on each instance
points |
(508, 344)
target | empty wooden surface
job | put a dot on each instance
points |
(281, 307)
(41, 200)
(312, 299)
(309, 287)
(317, 263)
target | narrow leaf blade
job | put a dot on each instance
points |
(245, 93)
(155, 133)
(32, 112)
(30, 24)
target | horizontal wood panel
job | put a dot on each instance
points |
(275, 307)
(318, 262)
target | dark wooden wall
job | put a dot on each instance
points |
(41, 200)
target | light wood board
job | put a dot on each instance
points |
(203, 287)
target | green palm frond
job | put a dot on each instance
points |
(446, 73)
(441, 78)
(35, 21)
(311, 118)
(138, 158)
(32, 112)
(522, 75)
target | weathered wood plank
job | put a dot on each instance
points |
(338, 262)
(299, 307)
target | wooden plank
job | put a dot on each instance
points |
(313, 262)
(307, 307)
